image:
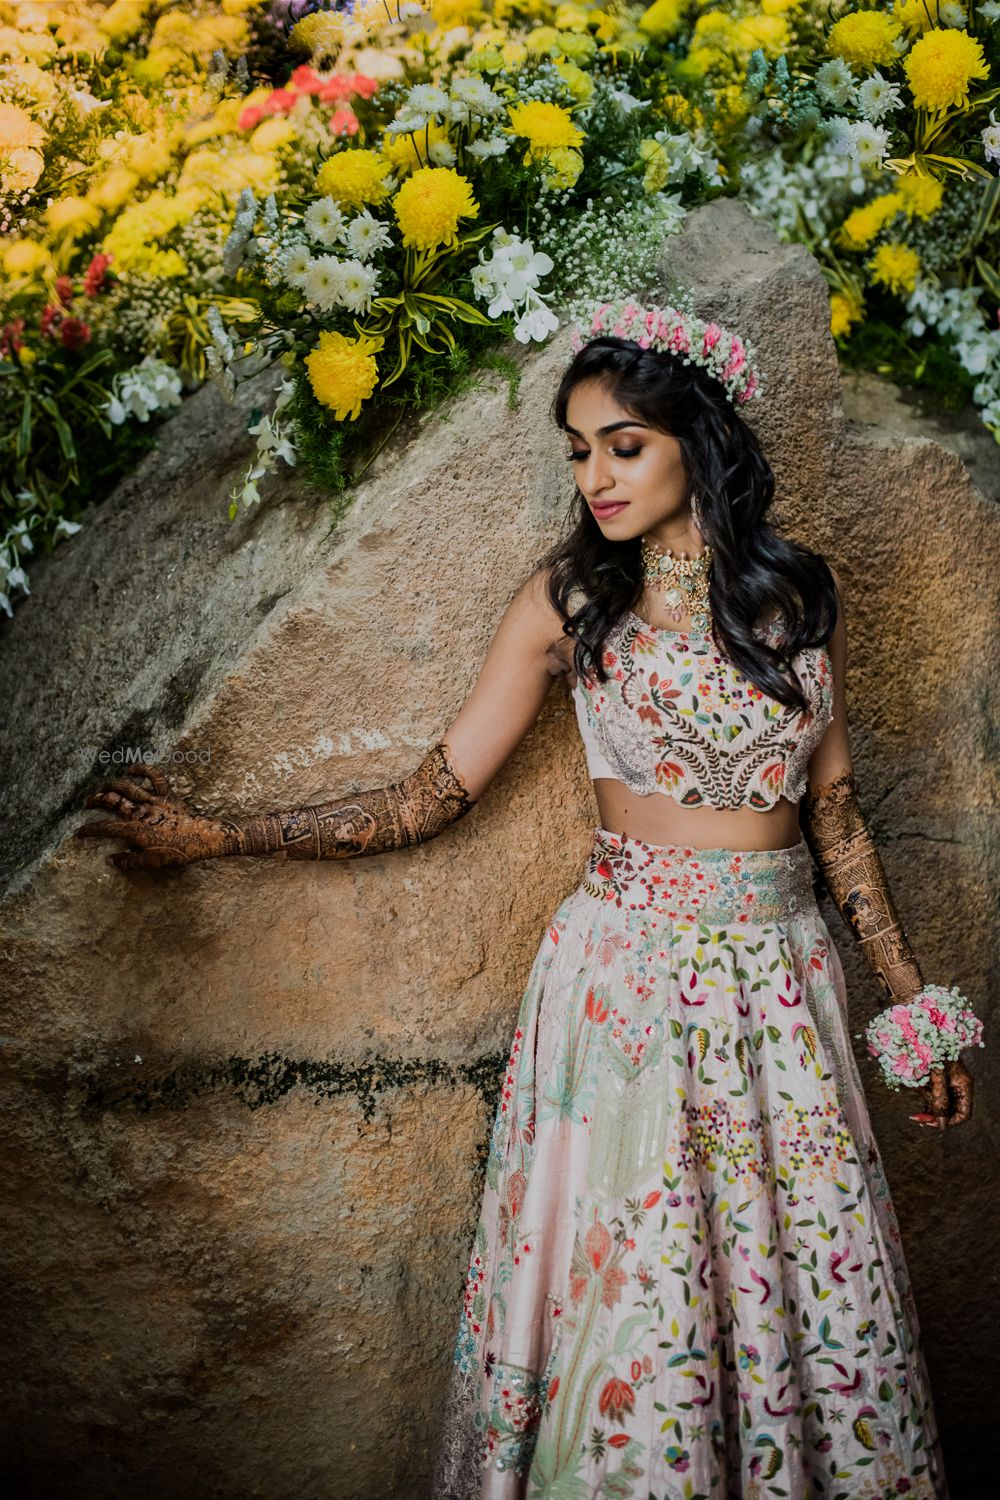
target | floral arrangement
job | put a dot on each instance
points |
(910, 1040)
(388, 196)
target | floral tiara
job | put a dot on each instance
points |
(672, 331)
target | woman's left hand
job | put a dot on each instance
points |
(947, 1095)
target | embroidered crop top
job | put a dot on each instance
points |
(678, 717)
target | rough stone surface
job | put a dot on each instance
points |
(246, 1101)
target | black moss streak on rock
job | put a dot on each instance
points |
(269, 1077)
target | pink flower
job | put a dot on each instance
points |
(711, 337)
(344, 121)
(644, 341)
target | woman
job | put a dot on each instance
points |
(687, 1277)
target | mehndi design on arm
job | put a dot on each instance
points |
(406, 812)
(843, 848)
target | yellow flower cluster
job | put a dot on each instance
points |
(895, 266)
(343, 372)
(355, 177)
(429, 205)
(845, 310)
(917, 197)
(864, 39)
(941, 66)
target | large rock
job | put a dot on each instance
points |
(247, 1102)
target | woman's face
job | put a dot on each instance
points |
(632, 476)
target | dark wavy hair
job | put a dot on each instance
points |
(754, 568)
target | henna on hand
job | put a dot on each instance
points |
(843, 848)
(163, 830)
(410, 811)
(845, 852)
(166, 832)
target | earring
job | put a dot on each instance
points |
(695, 511)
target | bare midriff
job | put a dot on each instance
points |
(660, 819)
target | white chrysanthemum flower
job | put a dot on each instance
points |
(839, 132)
(406, 121)
(476, 96)
(877, 96)
(950, 14)
(323, 281)
(871, 143)
(366, 234)
(441, 154)
(989, 10)
(324, 221)
(496, 145)
(358, 285)
(991, 138)
(835, 82)
(427, 99)
(409, 10)
(482, 282)
(295, 263)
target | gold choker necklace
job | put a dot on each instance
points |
(684, 578)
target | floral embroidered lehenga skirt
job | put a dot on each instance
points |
(687, 1281)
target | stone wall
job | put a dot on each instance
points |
(247, 1102)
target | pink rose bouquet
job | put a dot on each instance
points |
(910, 1040)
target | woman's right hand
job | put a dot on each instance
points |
(161, 828)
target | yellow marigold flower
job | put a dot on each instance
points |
(940, 67)
(544, 126)
(921, 196)
(342, 372)
(714, 24)
(355, 177)
(562, 167)
(864, 39)
(72, 214)
(405, 153)
(429, 205)
(122, 21)
(24, 257)
(113, 188)
(18, 130)
(579, 83)
(320, 34)
(914, 15)
(843, 313)
(769, 33)
(863, 224)
(895, 266)
(236, 7)
(272, 133)
(663, 19)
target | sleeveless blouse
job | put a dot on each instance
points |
(676, 716)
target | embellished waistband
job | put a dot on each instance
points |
(705, 885)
